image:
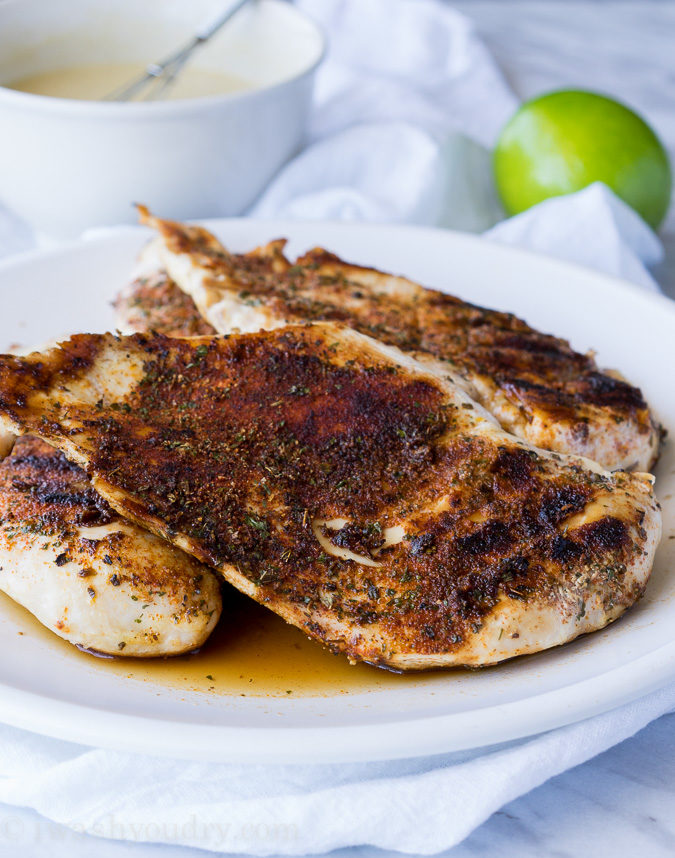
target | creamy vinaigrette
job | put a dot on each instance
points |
(252, 652)
(94, 82)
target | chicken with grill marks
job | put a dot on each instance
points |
(88, 575)
(351, 489)
(536, 385)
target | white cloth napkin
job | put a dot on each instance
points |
(406, 105)
(420, 806)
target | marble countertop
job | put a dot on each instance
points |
(622, 802)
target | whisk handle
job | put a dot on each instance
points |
(212, 26)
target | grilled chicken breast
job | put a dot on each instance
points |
(152, 301)
(94, 579)
(347, 487)
(536, 385)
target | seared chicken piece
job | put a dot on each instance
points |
(536, 386)
(7, 440)
(152, 301)
(94, 579)
(346, 487)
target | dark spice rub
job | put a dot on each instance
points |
(536, 385)
(154, 302)
(40, 485)
(92, 578)
(346, 487)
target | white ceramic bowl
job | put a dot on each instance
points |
(66, 165)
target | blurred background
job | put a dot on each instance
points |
(409, 102)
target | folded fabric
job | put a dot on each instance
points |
(406, 102)
(418, 806)
(592, 227)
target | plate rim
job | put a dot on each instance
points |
(382, 741)
(103, 235)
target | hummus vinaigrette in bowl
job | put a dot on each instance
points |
(93, 82)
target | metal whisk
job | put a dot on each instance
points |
(158, 77)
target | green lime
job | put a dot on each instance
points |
(563, 141)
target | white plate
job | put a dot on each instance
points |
(53, 691)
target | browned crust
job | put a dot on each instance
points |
(44, 494)
(540, 376)
(39, 484)
(154, 302)
(231, 447)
